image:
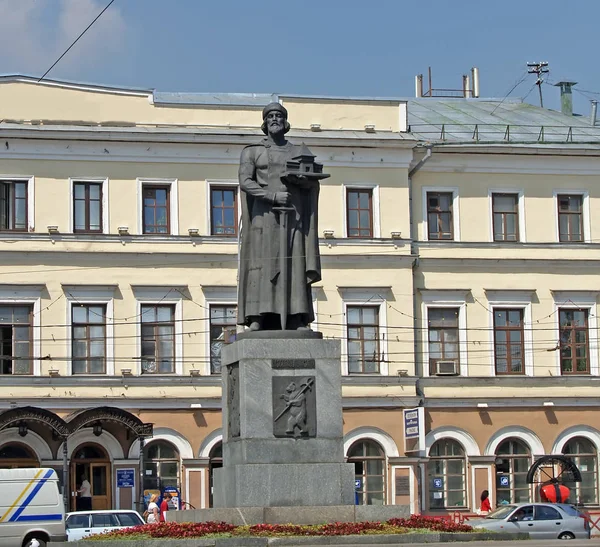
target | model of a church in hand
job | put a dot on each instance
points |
(303, 168)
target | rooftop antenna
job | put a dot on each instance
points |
(540, 69)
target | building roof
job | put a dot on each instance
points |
(494, 120)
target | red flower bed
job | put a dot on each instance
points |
(436, 524)
(201, 529)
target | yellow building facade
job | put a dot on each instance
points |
(458, 274)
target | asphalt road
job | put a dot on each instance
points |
(594, 542)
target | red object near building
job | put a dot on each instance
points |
(554, 493)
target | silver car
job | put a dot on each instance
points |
(87, 523)
(539, 520)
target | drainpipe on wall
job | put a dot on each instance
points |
(414, 250)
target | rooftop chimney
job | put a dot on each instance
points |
(594, 111)
(566, 96)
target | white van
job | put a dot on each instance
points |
(31, 508)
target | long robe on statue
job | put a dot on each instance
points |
(261, 168)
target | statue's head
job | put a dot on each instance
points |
(274, 119)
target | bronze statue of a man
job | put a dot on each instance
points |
(260, 289)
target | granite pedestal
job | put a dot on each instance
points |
(282, 421)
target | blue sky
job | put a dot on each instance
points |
(326, 47)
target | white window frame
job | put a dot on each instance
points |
(30, 197)
(515, 300)
(215, 296)
(520, 211)
(15, 295)
(216, 183)
(173, 204)
(574, 301)
(375, 201)
(585, 212)
(91, 295)
(444, 299)
(358, 296)
(455, 212)
(101, 180)
(154, 295)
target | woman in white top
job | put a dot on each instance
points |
(153, 510)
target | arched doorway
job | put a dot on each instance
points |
(16, 455)
(584, 455)
(513, 459)
(447, 475)
(369, 472)
(161, 466)
(215, 461)
(90, 461)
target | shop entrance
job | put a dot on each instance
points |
(90, 462)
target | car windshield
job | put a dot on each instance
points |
(501, 512)
(129, 519)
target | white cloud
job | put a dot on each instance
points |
(34, 33)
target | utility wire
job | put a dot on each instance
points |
(519, 82)
(76, 40)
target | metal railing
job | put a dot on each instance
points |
(492, 132)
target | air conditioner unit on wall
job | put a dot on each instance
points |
(446, 368)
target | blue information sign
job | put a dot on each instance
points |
(504, 481)
(438, 482)
(125, 478)
(357, 483)
(411, 423)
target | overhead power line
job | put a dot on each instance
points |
(76, 40)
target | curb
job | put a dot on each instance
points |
(375, 539)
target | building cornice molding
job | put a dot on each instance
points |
(538, 161)
(521, 381)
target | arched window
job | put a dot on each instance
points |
(161, 466)
(16, 455)
(584, 455)
(215, 460)
(446, 470)
(369, 472)
(513, 459)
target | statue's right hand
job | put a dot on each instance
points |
(282, 198)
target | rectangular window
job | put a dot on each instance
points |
(570, 217)
(156, 209)
(88, 339)
(439, 215)
(223, 321)
(509, 349)
(158, 339)
(505, 210)
(360, 213)
(87, 207)
(574, 341)
(223, 211)
(15, 339)
(13, 206)
(443, 338)
(363, 339)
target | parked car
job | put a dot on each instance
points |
(539, 520)
(85, 523)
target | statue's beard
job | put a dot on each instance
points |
(275, 129)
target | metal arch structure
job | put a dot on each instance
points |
(14, 416)
(74, 422)
(569, 472)
(88, 417)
